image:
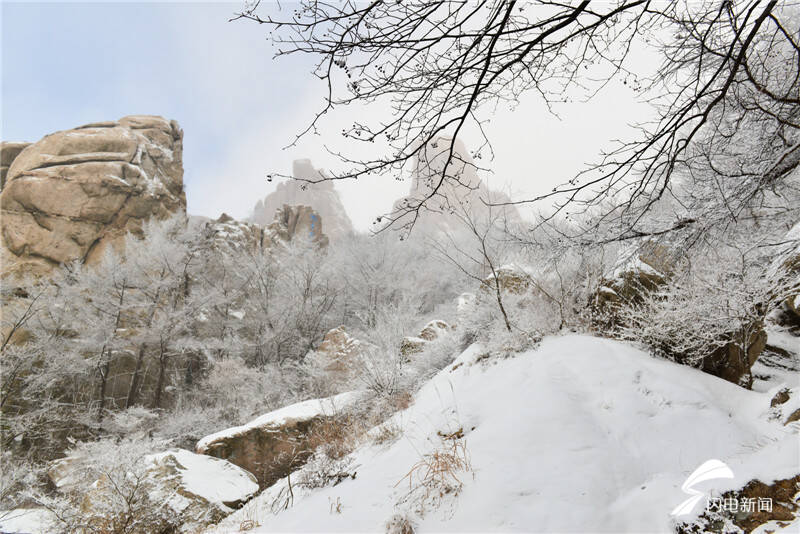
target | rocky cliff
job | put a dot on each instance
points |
(75, 192)
(321, 197)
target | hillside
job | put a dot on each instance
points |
(579, 434)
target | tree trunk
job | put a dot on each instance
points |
(134, 385)
(103, 371)
(162, 372)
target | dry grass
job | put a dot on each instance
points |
(399, 524)
(439, 473)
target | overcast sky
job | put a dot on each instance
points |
(68, 64)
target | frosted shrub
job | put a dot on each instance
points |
(106, 490)
(722, 299)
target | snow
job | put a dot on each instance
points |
(300, 411)
(218, 481)
(580, 434)
(782, 339)
(633, 264)
(26, 520)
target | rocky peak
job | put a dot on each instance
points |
(463, 190)
(321, 197)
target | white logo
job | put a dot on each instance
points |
(710, 470)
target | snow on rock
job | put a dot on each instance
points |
(278, 442)
(580, 434)
(512, 278)
(431, 332)
(216, 481)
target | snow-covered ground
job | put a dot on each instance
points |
(581, 434)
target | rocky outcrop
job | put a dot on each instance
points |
(321, 197)
(338, 354)
(294, 224)
(8, 153)
(463, 191)
(643, 271)
(73, 193)
(279, 442)
(783, 509)
(416, 344)
(733, 361)
(639, 272)
(290, 224)
(230, 234)
(511, 279)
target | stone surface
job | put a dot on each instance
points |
(279, 442)
(322, 197)
(73, 193)
(733, 361)
(177, 487)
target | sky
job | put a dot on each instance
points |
(66, 64)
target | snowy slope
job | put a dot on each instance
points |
(581, 434)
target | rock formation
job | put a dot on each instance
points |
(644, 271)
(431, 332)
(295, 223)
(290, 224)
(320, 197)
(279, 442)
(338, 355)
(73, 193)
(463, 191)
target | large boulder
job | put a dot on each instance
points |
(639, 272)
(643, 271)
(277, 443)
(73, 193)
(733, 361)
(321, 196)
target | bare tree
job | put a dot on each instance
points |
(730, 75)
